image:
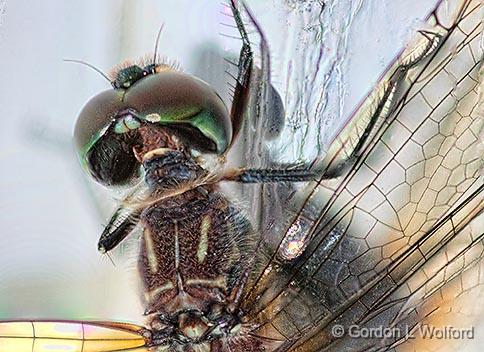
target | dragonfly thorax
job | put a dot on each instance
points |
(194, 257)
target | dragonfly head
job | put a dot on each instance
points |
(118, 126)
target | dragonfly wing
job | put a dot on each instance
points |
(43, 336)
(407, 194)
(428, 288)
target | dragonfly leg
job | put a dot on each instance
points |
(270, 175)
(246, 58)
(120, 226)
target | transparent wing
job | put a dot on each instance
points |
(263, 123)
(391, 223)
(43, 336)
(263, 120)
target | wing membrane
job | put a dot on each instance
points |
(40, 336)
(408, 194)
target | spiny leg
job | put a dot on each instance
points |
(242, 86)
(270, 175)
(385, 100)
(122, 223)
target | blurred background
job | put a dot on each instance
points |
(51, 214)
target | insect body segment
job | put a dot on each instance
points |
(126, 77)
(108, 126)
(194, 253)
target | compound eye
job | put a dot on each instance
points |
(105, 134)
(187, 103)
(111, 160)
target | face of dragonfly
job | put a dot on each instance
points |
(386, 237)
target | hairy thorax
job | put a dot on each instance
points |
(193, 263)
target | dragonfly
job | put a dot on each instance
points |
(384, 230)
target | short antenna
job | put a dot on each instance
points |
(158, 36)
(89, 65)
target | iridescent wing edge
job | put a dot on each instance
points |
(83, 336)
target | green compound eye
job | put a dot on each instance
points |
(179, 101)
